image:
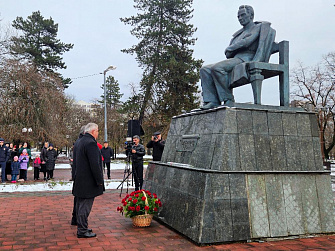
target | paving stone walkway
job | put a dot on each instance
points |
(41, 221)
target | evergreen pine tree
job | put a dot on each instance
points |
(39, 44)
(113, 94)
(169, 82)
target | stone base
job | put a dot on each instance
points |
(211, 207)
(232, 174)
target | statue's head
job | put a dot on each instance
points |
(245, 14)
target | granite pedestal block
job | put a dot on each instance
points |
(231, 174)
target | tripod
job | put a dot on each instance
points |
(127, 172)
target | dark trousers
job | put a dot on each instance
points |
(44, 170)
(50, 174)
(138, 174)
(8, 169)
(23, 174)
(3, 171)
(74, 211)
(108, 165)
(83, 209)
(36, 173)
(14, 177)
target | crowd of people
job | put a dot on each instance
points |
(15, 161)
(89, 158)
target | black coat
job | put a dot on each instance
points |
(50, 157)
(4, 153)
(88, 177)
(73, 166)
(158, 148)
(43, 154)
(107, 153)
(140, 152)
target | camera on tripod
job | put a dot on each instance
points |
(129, 143)
(128, 146)
(134, 128)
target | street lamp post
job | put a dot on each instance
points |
(105, 103)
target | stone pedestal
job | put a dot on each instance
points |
(231, 174)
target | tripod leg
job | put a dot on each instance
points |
(125, 178)
(128, 180)
(122, 184)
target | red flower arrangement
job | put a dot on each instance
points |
(138, 203)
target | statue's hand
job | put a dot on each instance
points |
(228, 53)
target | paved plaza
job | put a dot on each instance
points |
(41, 221)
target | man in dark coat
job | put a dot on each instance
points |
(4, 156)
(9, 161)
(107, 153)
(157, 143)
(137, 153)
(73, 171)
(50, 157)
(43, 159)
(88, 178)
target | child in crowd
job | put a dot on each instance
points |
(15, 166)
(24, 160)
(37, 167)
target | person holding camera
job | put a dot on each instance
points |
(137, 153)
(157, 144)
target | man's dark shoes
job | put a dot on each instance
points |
(87, 235)
(73, 222)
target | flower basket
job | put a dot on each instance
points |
(140, 206)
(143, 220)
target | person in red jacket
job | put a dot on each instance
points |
(37, 166)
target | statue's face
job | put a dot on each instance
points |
(244, 17)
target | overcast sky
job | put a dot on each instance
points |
(98, 36)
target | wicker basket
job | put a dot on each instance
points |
(143, 220)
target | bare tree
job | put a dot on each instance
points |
(6, 32)
(316, 87)
(31, 98)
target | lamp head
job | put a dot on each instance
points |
(111, 67)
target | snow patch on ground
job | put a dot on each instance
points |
(62, 185)
(53, 186)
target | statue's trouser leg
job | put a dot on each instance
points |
(209, 92)
(220, 73)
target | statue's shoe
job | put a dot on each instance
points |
(209, 105)
(229, 103)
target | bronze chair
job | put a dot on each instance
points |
(258, 71)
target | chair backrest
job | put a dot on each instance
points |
(283, 49)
